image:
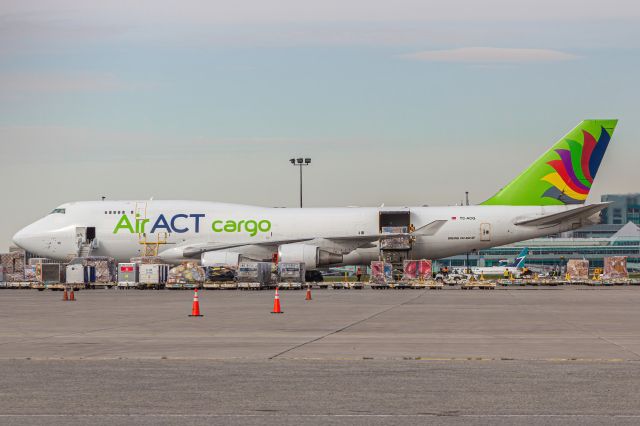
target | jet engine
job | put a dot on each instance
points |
(312, 256)
(217, 258)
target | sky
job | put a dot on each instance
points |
(404, 102)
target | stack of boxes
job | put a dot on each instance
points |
(13, 265)
(578, 269)
(615, 267)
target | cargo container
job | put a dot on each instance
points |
(80, 274)
(254, 275)
(127, 275)
(48, 273)
(291, 275)
(153, 275)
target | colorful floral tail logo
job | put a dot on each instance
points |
(576, 168)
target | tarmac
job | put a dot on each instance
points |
(565, 355)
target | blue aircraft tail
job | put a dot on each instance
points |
(519, 260)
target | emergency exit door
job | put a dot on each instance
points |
(485, 232)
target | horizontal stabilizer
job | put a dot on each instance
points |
(556, 218)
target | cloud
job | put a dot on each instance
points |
(484, 55)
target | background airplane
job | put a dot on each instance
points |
(511, 267)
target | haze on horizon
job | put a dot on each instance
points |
(403, 103)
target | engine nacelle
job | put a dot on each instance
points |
(311, 256)
(221, 258)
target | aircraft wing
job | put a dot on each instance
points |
(556, 218)
(196, 250)
(355, 241)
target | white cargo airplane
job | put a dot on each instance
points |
(546, 198)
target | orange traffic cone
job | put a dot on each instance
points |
(195, 310)
(308, 296)
(65, 296)
(276, 304)
(72, 297)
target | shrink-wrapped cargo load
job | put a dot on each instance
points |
(578, 269)
(424, 269)
(416, 270)
(381, 272)
(615, 267)
(105, 268)
(410, 270)
(186, 273)
(30, 273)
(13, 264)
(220, 273)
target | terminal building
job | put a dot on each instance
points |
(550, 252)
(623, 208)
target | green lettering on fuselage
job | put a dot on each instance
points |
(124, 223)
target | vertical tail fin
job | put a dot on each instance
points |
(565, 173)
(518, 262)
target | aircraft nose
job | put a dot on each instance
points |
(21, 239)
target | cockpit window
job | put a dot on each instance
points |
(61, 211)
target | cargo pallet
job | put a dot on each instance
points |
(481, 285)
(252, 286)
(400, 285)
(290, 286)
(355, 285)
(16, 285)
(126, 285)
(431, 285)
(379, 286)
(182, 286)
(213, 285)
(229, 285)
(514, 283)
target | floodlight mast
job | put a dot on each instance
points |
(300, 162)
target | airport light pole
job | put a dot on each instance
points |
(300, 162)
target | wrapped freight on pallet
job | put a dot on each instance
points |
(416, 270)
(578, 269)
(410, 270)
(105, 267)
(424, 269)
(615, 267)
(381, 272)
(30, 273)
(186, 273)
(220, 273)
(13, 264)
